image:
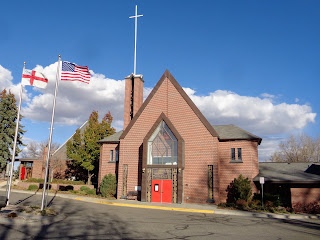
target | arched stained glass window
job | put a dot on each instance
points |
(162, 146)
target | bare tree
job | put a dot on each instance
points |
(301, 148)
(36, 149)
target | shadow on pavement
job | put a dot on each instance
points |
(81, 220)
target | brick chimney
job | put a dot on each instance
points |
(133, 98)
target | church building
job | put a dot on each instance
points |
(169, 152)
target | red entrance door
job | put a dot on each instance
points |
(23, 172)
(162, 191)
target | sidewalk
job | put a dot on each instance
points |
(184, 207)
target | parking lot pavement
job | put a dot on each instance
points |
(79, 219)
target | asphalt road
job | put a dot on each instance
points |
(83, 220)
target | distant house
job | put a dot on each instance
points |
(31, 168)
(292, 182)
(169, 152)
(59, 167)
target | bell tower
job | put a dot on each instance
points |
(133, 98)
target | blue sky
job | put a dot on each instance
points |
(250, 63)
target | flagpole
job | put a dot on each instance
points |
(50, 136)
(15, 138)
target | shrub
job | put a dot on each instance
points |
(61, 181)
(242, 204)
(33, 187)
(88, 191)
(269, 204)
(310, 208)
(35, 180)
(91, 191)
(108, 187)
(84, 188)
(240, 188)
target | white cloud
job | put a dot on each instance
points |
(258, 115)
(6, 83)
(5, 77)
(76, 100)
(268, 146)
(267, 95)
(296, 100)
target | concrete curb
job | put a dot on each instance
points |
(150, 207)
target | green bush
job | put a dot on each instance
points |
(61, 181)
(84, 188)
(242, 204)
(33, 187)
(88, 191)
(108, 187)
(239, 189)
(35, 180)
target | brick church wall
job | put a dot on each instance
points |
(105, 164)
(249, 167)
(201, 148)
(304, 195)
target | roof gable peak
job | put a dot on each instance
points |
(168, 75)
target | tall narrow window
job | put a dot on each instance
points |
(111, 155)
(239, 154)
(233, 154)
(162, 146)
(117, 155)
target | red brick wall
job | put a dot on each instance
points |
(105, 165)
(304, 195)
(38, 170)
(201, 149)
(249, 167)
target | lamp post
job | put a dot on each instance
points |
(262, 182)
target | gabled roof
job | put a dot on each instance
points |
(168, 75)
(61, 152)
(232, 132)
(115, 138)
(289, 172)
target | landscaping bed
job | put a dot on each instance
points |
(54, 186)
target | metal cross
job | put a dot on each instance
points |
(135, 38)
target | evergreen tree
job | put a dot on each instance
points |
(84, 148)
(8, 118)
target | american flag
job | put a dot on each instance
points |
(73, 72)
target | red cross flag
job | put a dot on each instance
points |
(33, 78)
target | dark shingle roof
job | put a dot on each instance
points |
(112, 139)
(289, 172)
(233, 132)
(225, 132)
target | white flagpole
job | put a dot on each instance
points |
(50, 136)
(15, 139)
(135, 38)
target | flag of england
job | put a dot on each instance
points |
(33, 78)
